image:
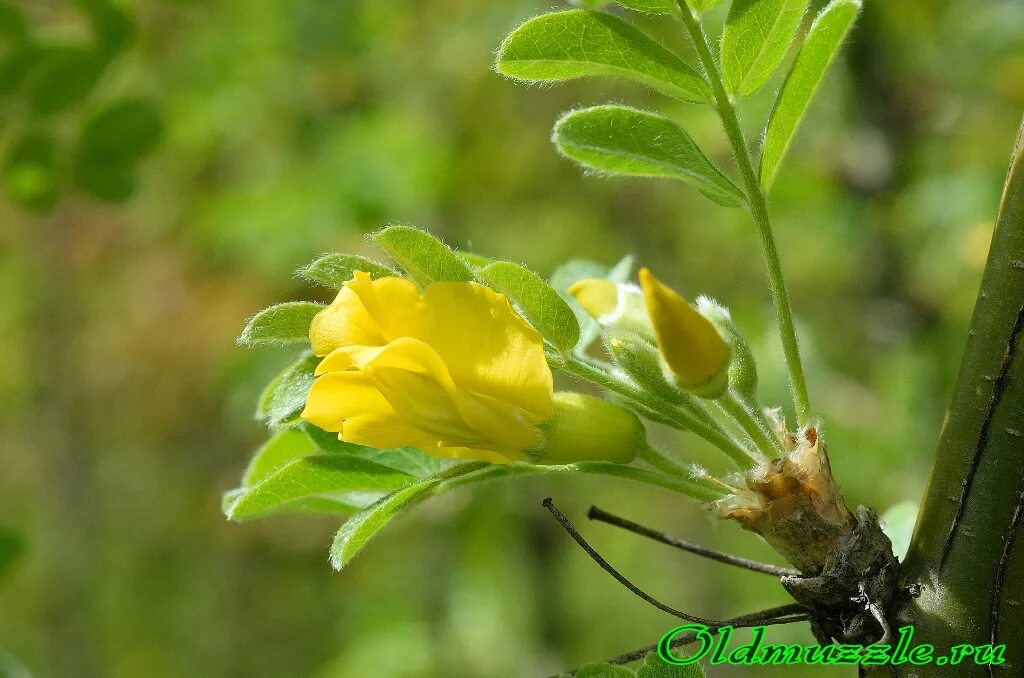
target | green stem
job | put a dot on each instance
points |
(766, 442)
(683, 486)
(659, 461)
(758, 210)
(673, 416)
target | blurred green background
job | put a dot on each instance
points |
(167, 165)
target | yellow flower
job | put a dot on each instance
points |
(689, 343)
(453, 371)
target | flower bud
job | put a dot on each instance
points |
(640, 360)
(696, 354)
(585, 428)
(743, 367)
(612, 305)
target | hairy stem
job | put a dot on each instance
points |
(759, 211)
(673, 416)
(661, 462)
(673, 483)
(752, 425)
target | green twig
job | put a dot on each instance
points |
(758, 210)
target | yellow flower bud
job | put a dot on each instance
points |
(611, 305)
(692, 348)
(597, 296)
(742, 367)
(585, 428)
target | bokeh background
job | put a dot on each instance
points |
(167, 166)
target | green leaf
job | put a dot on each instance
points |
(362, 527)
(654, 667)
(12, 546)
(63, 77)
(578, 43)
(312, 476)
(425, 258)
(756, 38)
(650, 6)
(405, 459)
(703, 6)
(602, 670)
(30, 172)
(284, 446)
(280, 325)
(335, 504)
(284, 397)
(543, 307)
(333, 270)
(627, 141)
(827, 34)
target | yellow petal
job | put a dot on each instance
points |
(344, 323)
(486, 346)
(349, 404)
(392, 302)
(365, 313)
(598, 297)
(416, 383)
(424, 403)
(505, 428)
(405, 353)
(690, 344)
(412, 376)
(469, 453)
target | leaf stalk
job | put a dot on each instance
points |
(758, 205)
